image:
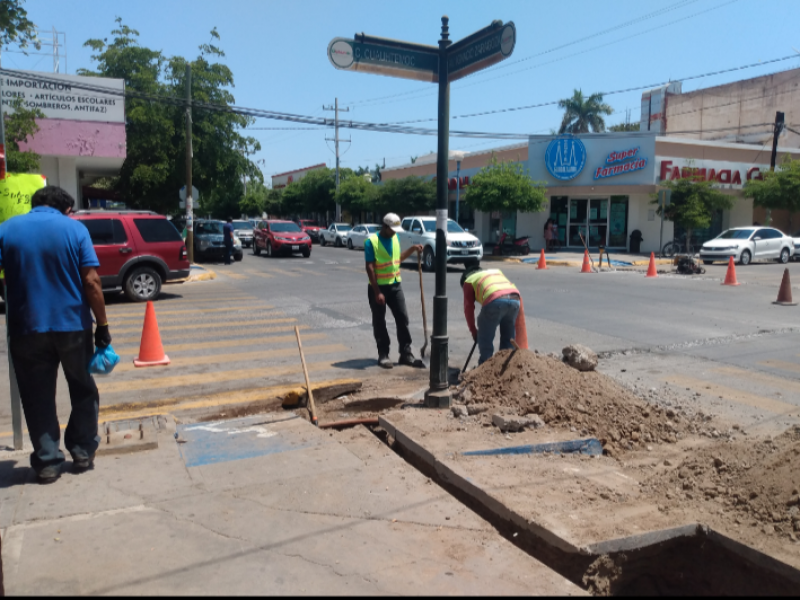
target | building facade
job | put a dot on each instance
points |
(281, 180)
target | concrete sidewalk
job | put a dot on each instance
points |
(261, 505)
(574, 258)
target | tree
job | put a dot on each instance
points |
(254, 202)
(20, 125)
(780, 189)
(505, 186)
(583, 114)
(693, 202)
(408, 195)
(15, 27)
(357, 194)
(318, 190)
(624, 127)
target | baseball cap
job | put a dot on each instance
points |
(393, 221)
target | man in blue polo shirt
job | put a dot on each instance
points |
(51, 284)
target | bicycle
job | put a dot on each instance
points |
(677, 246)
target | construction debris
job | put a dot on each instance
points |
(580, 357)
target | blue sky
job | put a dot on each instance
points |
(277, 51)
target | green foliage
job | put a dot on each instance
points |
(624, 127)
(273, 205)
(255, 201)
(15, 27)
(693, 203)
(505, 186)
(154, 169)
(357, 194)
(405, 196)
(780, 189)
(583, 114)
(20, 125)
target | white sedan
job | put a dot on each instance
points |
(360, 233)
(796, 237)
(335, 233)
(746, 244)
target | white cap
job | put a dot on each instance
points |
(393, 221)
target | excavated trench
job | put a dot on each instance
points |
(686, 561)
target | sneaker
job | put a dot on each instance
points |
(385, 362)
(409, 360)
(83, 463)
(49, 474)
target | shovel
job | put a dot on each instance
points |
(468, 358)
(424, 316)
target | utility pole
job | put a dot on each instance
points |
(777, 129)
(335, 108)
(189, 153)
(16, 402)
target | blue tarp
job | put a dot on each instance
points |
(590, 446)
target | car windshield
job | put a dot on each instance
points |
(212, 228)
(242, 225)
(374, 228)
(343, 227)
(284, 227)
(452, 226)
(735, 234)
(796, 234)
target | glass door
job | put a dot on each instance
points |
(578, 213)
(598, 222)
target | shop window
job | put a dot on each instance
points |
(559, 211)
(618, 222)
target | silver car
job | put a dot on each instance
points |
(746, 244)
(244, 231)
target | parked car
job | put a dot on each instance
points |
(209, 242)
(311, 228)
(335, 234)
(281, 237)
(360, 233)
(461, 245)
(746, 244)
(138, 251)
(796, 239)
(244, 231)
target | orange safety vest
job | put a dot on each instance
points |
(387, 268)
(488, 282)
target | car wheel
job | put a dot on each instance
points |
(143, 284)
(745, 258)
(238, 257)
(306, 252)
(321, 241)
(427, 259)
(707, 262)
(338, 243)
(269, 249)
(256, 249)
(784, 256)
(349, 244)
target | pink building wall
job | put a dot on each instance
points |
(58, 137)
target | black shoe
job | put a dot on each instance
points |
(409, 360)
(385, 362)
(83, 463)
(48, 474)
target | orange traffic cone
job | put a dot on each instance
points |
(785, 293)
(542, 264)
(651, 270)
(586, 268)
(151, 352)
(730, 276)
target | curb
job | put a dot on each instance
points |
(574, 263)
(206, 274)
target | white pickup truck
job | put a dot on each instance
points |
(335, 233)
(461, 245)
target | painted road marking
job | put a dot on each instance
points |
(282, 272)
(202, 334)
(231, 275)
(782, 366)
(203, 326)
(201, 378)
(770, 380)
(732, 394)
(187, 311)
(241, 342)
(309, 271)
(260, 274)
(178, 318)
(214, 359)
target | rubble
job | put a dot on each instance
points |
(514, 423)
(580, 357)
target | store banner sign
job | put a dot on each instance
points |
(723, 174)
(565, 158)
(621, 162)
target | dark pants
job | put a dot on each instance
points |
(36, 358)
(396, 301)
(228, 253)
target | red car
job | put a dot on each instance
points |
(280, 237)
(137, 250)
(311, 228)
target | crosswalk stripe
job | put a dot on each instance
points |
(189, 311)
(231, 275)
(732, 394)
(203, 326)
(203, 334)
(188, 300)
(177, 318)
(782, 365)
(263, 341)
(309, 271)
(770, 380)
(196, 379)
(282, 272)
(260, 274)
(228, 357)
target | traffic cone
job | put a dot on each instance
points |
(730, 276)
(151, 352)
(586, 267)
(651, 270)
(542, 264)
(785, 293)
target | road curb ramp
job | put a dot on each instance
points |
(730, 276)
(151, 351)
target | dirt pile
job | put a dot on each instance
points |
(589, 403)
(759, 480)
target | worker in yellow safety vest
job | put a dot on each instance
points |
(383, 257)
(501, 306)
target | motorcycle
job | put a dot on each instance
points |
(509, 247)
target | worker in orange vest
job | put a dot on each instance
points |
(501, 306)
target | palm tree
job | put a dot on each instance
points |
(583, 114)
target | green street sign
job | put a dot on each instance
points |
(480, 50)
(381, 56)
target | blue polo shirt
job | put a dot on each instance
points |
(42, 253)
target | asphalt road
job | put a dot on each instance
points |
(232, 339)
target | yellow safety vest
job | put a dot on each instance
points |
(387, 268)
(491, 281)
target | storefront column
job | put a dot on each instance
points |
(68, 178)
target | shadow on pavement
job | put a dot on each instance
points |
(356, 363)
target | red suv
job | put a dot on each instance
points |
(311, 228)
(137, 250)
(280, 237)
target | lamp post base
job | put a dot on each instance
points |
(437, 398)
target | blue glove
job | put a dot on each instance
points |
(103, 361)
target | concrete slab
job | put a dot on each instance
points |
(295, 511)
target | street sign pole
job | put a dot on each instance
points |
(439, 393)
(189, 153)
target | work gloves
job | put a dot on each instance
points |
(102, 339)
